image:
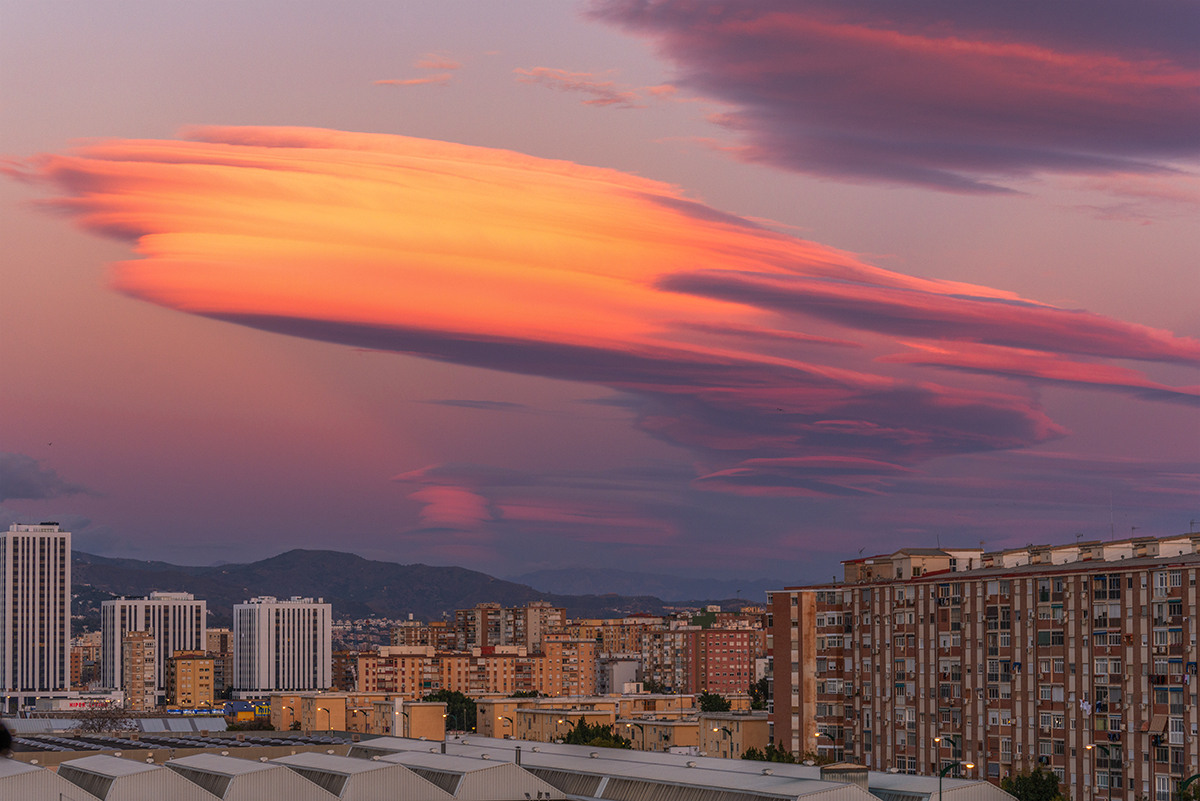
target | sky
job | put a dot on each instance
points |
(708, 289)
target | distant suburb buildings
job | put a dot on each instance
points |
(35, 613)
(1080, 659)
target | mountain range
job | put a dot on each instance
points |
(599, 581)
(357, 587)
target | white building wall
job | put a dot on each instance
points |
(282, 645)
(35, 609)
(178, 621)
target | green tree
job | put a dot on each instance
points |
(769, 754)
(596, 735)
(526, 694)
(652, 686)
(460, 710)
(1040, 785)
(712, 702)
(758, 694)
(295, 725)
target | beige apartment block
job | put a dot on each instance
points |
(1080, 659)
(729, 735)
(548, 725)
(189, 677)
(660, 735)
(139, 673)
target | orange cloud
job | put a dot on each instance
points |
(500, 260)
(443, 78)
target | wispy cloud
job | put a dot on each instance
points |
(585, 274)
(442, 78)
(600, 92)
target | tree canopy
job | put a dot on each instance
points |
(460, 710)
(713, 702)
(770, 754)
(595, 734)
(1040, 785)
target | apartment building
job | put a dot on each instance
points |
(439, 635)
(490, 625)
(190, 680)
(282, 645)
(85, 661)
(139, 670)
(35, 614)
(1078, 658)
(175, 620)
(730, 734)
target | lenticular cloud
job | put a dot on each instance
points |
(733, 338)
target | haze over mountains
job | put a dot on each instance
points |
(600, 581)
(356, 587)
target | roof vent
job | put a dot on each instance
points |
(375, 758)
(535, 749)
(485, 756)
(691, 764)
(767, 771)
(594, 755)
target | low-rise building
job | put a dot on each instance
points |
(660, 735)
(729, 735)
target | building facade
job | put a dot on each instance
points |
(190, 681)
(35, 613)
(282, 645)
(175, 620)
(1079, 659)
(139, 670)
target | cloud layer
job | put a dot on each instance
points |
(22, 477)
(951, 96)
(784, 366)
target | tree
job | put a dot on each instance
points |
(596, 735)
(295, 725)
(460, 710)
(770, 754)
(1040, 785)
(758, 694)
(526, 694)
(109, 718)
(712, 702)
(657, 687)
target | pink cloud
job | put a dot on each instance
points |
(452, 507)
(600, 92)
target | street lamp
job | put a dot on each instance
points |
(828, 737)
(328, 716)
(511, 723)
(947, 769)
(1183, 785)
(643, 729)
(293, 714)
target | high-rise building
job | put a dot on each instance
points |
(35, 613)
(1078, 659)
(190, 680)
(282, 645)
(139, 670)
(176, 620)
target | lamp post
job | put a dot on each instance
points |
(1108, 759)
(293, 715)
(828, 737)
(453, 717)
(643, 730)
(328, 716)
(942, 773)
(512, 724)
(729, 732)
(1183, 785)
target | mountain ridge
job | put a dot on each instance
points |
(357, 587)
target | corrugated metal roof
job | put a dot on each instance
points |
(225, 765)
(110, 766)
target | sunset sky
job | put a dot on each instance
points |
(723, 289)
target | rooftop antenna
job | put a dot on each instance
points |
(1191, 527)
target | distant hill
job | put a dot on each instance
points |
(356, 587)
(598, 581)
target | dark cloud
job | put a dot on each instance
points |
(21, 477)
(952, 96)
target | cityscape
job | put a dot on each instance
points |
(599, 400)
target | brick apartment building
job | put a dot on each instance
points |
(1079, 658)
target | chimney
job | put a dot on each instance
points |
(518, 760)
